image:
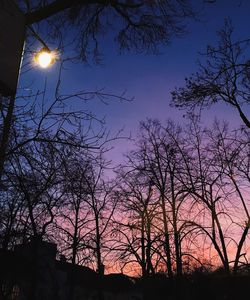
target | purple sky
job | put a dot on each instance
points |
(148, 78)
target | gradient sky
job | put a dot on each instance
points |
(150, 78)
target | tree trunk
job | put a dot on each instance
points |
(166, 237)
(237, 257)
(143, 255)
(176, 233)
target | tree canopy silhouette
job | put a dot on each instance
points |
(138, 25)
(223, 77)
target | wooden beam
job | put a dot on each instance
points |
(56, 7)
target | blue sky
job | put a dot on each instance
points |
(149, 79)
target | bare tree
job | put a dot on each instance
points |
(222, 77)
(231, 150)
(87, 211)
(101, 206)
(136, 231)
(139, 25)
(35, 178)
(158, 159)
(203, 181)
(201, 177)
(219, 199)
(37, 119)
(73, 220)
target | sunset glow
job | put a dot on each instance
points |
(131, 154)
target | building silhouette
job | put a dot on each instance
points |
(32, 272)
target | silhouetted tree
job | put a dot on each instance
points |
(35, 178)
(200, 176)
(219, 198)
(87, 210)
(222, 77)
(136, 231)
(101, 205)
(231, 150)
(36, 119)
(73, 220)
(203, 181)
(161, 163)
(139, 25)
(158, 159)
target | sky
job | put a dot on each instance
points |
(149, 79)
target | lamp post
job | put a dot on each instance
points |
(44, 57)
(12, 37)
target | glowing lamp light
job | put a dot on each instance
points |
(45, 58)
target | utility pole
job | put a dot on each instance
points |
(12, 36)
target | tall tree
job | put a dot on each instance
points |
(73, 220)
(85, 217)
(101, 206)
(220, 207)
(158, 159)
(136, 231)
(231, 150)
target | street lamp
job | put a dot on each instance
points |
(45, 57)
